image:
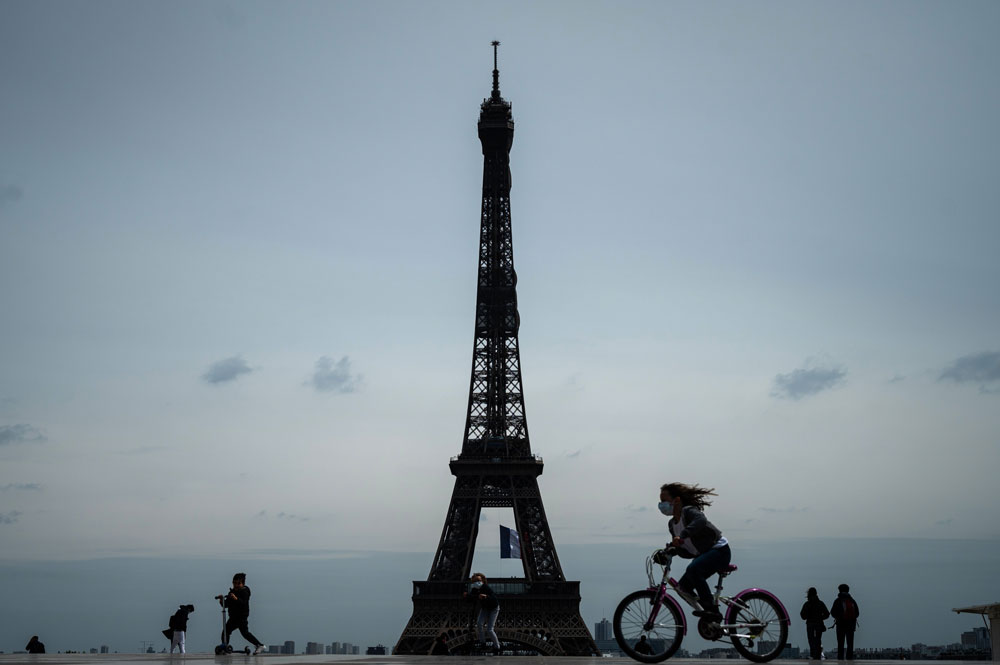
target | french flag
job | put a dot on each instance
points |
(510, 543)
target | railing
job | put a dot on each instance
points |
(502, 587)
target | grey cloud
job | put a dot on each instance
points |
(20, 433)
(227, 369)
(291, 517)
(806, 381)
(792, 509)
(982, 368)
(9, 517)
(332, 376)
(10, 194)
(574, 454)
(27, 487)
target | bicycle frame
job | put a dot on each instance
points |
(660, 589)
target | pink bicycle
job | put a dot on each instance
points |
(649, 624)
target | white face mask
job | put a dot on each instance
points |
(666, 507)
(477, 584)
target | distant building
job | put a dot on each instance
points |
(314, 648)
(603, 631)
(104, 648)
(335, 648)
(976, 639)
(289, 648)
(375, 651)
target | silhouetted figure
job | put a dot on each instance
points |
(814, 613)
(489, 608)
(237, 601)
(34, 646)
(178, 627)
(846, 612)
(642, 646)
(695, 538)
(441, 646)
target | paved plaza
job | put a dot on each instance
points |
(275, 659)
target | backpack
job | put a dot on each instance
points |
(849, 609)
(175, 621)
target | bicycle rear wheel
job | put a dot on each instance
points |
(633, 621)
(757, 625)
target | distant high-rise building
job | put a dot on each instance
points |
(375, 651)
(275, 648)
(314, 648)
(335, 648)
(289, 647)
(602, 630)
(104, 648)
(977, 638)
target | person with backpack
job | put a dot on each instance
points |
(814, 613)
(178, 627)
(845, 611)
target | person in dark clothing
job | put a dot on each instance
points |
(178, 624)
(441, 646)
(845, 611)
(34, 646)
(237, 601)
(694, 537)
(489, 608)
(814, 613)
(642, 646)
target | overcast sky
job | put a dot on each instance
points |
(756, 246)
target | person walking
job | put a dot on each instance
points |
(489, 608)
(814, 613)
(178, 625)
(34, 645)
(237, 601)
(846, 612)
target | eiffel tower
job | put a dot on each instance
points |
(540, 612)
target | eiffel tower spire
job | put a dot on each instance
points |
(496, 468)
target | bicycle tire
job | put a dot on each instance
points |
(769, 625)
(664, 638)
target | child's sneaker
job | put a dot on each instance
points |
(260, 649)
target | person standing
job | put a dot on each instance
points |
(695, 538)
(178, 624)
(34, 646)
(846, 612)
(814, 612)
(237, 601)
(489, 608)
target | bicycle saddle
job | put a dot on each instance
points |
(729, 568)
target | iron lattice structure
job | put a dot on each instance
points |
(496, 469)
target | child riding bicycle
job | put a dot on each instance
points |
(694, 537)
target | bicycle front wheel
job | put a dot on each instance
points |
(757, 625)
(645, 632)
